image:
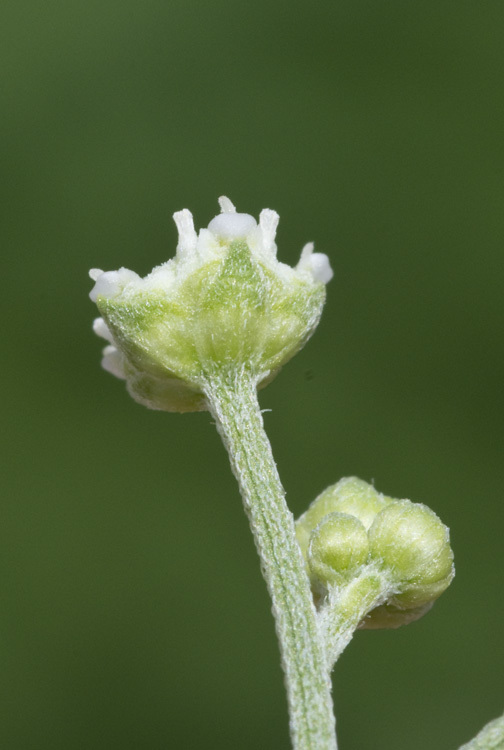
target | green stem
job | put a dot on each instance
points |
(232, 400)
(345, 607)
(491, 737)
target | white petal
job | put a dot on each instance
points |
(226, 206)
(113, 362)
(102, 329)
(268, 221)
(231, 226)
(187, 234)
(321, 268)
(317, 264)
(94, 273)
(306, 251)
(111, 283)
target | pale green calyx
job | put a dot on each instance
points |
(351, 531)
(224, 302)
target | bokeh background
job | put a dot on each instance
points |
(132, 611)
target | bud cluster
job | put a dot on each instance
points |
(351, 529)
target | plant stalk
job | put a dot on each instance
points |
(344, 609)
(232, 401)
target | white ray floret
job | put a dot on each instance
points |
(230, 225)
(111, 283)
(226, 206)
(188, 238)
(113, 362)
(317, 264)
(268, 221)
(101, 329)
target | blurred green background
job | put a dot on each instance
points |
(133, 614)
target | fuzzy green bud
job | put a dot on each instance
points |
(223, 303)
(338, 547)
(413, 545)
(350, 495)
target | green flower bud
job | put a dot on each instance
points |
(224, 302)
(413, 545)
(338, 547)
(350, 495)
(407, 549)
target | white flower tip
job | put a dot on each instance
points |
(321, 268)
(232, 226)
(317, 264)
(307, 251)
(111, 283)
(186, 232)
(113, 362)
(94, 273)
(226, 206)
(268, 221)
(101, 329)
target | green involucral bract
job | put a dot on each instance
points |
(224, 302)
(352, 530)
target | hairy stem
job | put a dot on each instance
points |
(345, 607)
(233, 403)
(491, 737)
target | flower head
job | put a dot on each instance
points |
(223, 302)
